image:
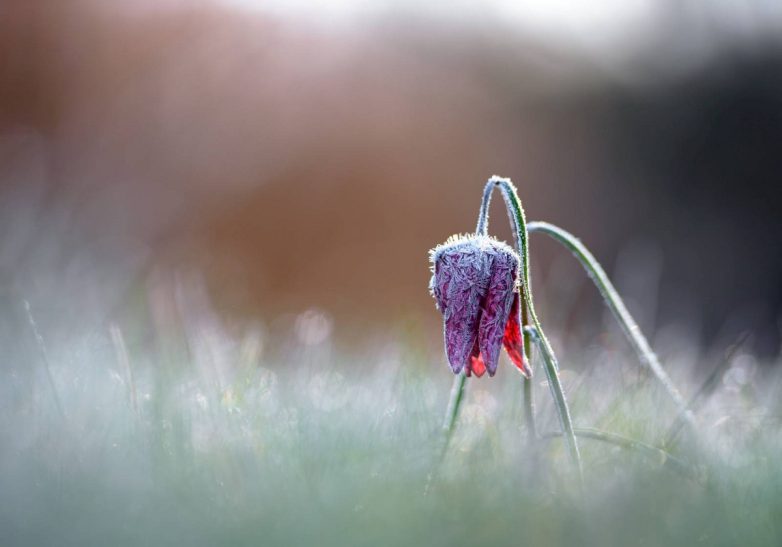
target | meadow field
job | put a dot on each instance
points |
(218, 436)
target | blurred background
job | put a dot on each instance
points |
(292, 163)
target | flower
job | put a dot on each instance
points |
(474, 286)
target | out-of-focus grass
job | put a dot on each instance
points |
(216, 442)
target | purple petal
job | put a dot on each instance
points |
(459, 285)
(473, 276)
(496, 309)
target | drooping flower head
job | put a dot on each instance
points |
(474, 283)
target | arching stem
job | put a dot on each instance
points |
(616, 305)
(519, 226)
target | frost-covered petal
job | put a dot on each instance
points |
(465, 268)
(497, 308)
(462, 271)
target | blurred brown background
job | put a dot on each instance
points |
(305, 160)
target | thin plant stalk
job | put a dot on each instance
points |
(451, 414)
(519, 226)
(529, 401)
(616, 305)
(454, 403)
(121, 350)
(529, 409)
(44, 357)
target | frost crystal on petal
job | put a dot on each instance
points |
(496, 309)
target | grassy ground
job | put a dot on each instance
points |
(218, 442)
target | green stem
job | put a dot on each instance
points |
(529, 409)
(519, 224)
(529, 401)
(617, 307)
(452, 412)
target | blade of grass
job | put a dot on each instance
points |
(44, 357)
(121, 351)
(707, 388)
(631, 444)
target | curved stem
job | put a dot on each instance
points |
(519, 225)
(483, 214)
(482, 228)
(616, 305)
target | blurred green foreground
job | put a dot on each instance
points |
(226, 444)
